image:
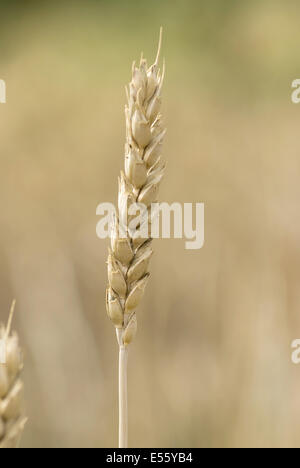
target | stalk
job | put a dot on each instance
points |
(123, 402)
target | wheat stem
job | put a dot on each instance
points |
(123, 403)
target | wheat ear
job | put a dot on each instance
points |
(11, 388)
(129, 256)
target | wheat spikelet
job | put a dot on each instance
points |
(129, 256)
(11, 389)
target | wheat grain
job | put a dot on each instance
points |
(129, 256)
(11, 389)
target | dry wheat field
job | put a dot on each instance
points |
(211, 363)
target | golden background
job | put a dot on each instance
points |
(211, 364)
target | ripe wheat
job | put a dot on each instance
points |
(129, 256)
(11, 389)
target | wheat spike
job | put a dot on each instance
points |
(12, 421)
(129, 256)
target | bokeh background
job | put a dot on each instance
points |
(211, 365)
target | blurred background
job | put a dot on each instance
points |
(211, 364)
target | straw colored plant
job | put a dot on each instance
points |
(11, 388)
(130, 253)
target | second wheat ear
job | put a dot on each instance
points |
(12, 420)
(129, 256)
